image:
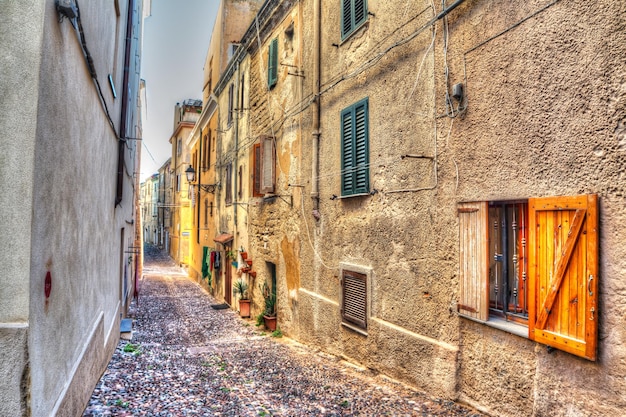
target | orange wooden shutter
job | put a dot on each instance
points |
(563, 273)
(474, 266)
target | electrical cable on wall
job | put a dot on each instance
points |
(90, 65)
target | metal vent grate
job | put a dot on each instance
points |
(354, 308)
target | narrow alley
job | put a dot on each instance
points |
(189, 359)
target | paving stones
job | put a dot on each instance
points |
(187, 359)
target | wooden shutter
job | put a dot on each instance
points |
(353, 14)
(355, 149)
(256, 162)
(360, 12)
(354, 298)
(346, 17)
(563, 273)
(229, 184)
(272, 63)
(268, 164)
(347, 156)
(474, 265)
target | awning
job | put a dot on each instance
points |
(223, 238)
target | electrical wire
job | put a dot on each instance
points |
(92, 69)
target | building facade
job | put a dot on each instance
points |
(68, 277)
(219, 156)
(185, 117)
(446, 192)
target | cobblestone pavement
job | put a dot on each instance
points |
(188, 359)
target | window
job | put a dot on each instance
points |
(242, 88)
(353, 15)
(206, 213)
(534, 263)
(179, 147)
(206, 151)
(177, 182)
(229, 183)
(240, 184)
(232, 48)
(355, 149)
(229, 117)
(264, 167)
(272, 64)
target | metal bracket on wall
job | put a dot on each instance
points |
(271, 198)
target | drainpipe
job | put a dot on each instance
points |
(236, 121)
(315, 195)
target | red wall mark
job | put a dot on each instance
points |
(48, 284)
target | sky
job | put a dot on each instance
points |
(175, 41)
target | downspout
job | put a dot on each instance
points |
(315, 195)
(199, 182)
(236, 121)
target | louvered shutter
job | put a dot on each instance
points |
(272, 63)
(353, 14)
(360, 12)
(355, 149)
(268, 164)
(256, 181)
(563, 273)
(354, 298)
(347, 155)
(346, 17)
(474, 263)
(361, 151)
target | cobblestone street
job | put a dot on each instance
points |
(188, 359)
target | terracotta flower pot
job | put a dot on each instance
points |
(270, 323)
(244, 308)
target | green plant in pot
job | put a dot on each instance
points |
(240, 289)
(269, 314)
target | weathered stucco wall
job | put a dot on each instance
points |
(545, 117)
(276, 234)
(412, 334)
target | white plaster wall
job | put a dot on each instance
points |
(78, 234)
(21, 30)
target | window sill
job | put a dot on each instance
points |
(342, 197)
(508, 326)
(354, 328)
(354, 31)
(504, 325)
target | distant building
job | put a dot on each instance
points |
(150, 209)
(70, 122)
(185, 116)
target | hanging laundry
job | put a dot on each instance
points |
(205, 266)
(217, 261)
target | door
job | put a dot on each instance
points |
(228, 277)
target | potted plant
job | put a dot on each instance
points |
(240, 288)
(269, 314)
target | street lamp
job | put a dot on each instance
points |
(191, 178)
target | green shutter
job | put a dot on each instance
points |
(346, 17)
(353, 14)
(361, 174)
(360, 12)
(347, 161)
(355, 149)
(272, 62)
